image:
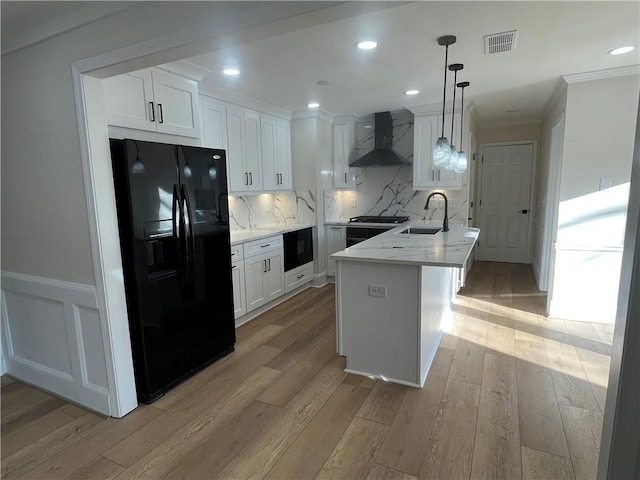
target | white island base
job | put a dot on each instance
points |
(392, 337)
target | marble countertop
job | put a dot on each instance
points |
(444, 249)
(264, 231)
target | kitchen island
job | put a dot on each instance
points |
(393, 294)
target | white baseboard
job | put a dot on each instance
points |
(53, 338)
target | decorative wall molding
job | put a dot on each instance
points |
(53, 338)
(600, 74)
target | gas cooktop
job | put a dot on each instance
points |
(378, 219)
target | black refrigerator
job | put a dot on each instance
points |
(173, 217)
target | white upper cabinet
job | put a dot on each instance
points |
(153, 100)
(259, 151)
(343, 152)
(425, 174)
(214, 123)
(276, 153)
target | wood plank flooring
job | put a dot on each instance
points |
(511, 394)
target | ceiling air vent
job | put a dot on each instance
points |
(500, 42)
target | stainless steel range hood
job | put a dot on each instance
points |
(383, 154)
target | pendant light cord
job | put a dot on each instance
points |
(461, 118)
(444, 96)
(453, 108)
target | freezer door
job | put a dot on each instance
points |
(204, 188)
(147, 194)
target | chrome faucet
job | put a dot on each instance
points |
(445, 224)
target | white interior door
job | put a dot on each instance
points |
(505, 203)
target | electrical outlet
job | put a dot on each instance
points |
(354, 203)
(378, 291)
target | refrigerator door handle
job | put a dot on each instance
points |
(189, 239)
(178, 230)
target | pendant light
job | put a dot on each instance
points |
(453, 161)
(461, 159)
(442, 149)
(138, 167)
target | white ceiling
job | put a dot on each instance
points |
(554, 39)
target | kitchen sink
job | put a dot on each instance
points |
(421, 230)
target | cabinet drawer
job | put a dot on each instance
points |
(236, 253)
(298, 276)
(265, 245)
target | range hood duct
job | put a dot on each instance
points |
(382, 155)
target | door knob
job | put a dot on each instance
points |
(524, 211)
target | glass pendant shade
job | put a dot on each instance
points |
(441, 152)
(138, 167)
(461, 162)
(453, 159)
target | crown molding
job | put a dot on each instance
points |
(186, 69)
(561, 89)
(600, 74)
(228, 96)
(45, 28)
(316, 113)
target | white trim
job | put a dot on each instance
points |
(532, 191)
(57, 24)
(552, 203)
(76, 306)
(315, 113)
(185, 68)
(228, 96)
(561, 88)
(111, 303)
(600, 74)
(383, 378)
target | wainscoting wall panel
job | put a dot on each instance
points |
(53, 338)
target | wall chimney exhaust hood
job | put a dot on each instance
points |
(383, 153)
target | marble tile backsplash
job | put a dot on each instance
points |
(389, 191)
(253, 211)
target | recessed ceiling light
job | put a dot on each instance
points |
(231, 71)
(412, 92)
(313, 105)
(367, 45)
(621, 50)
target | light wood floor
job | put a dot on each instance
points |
(510, 395)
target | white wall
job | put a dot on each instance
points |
(600, 123)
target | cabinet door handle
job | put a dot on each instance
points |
(345, 178)
(300, 276)
(264, 266)
(246, 178)
(233, 266)
(160, 114)
(432, 175)
(269, 263)
(250, 178)
(438, 175)
(153, 112)
(265, 245)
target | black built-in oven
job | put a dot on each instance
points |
(298, 248)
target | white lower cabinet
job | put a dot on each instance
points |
(264, 271)
(237, 276)
(298, 276)
(336, 241)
